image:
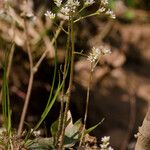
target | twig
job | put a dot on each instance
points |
(106, 30)
(33, 70)
(10, 59)
(9, 65)
(10, 55)
(30, 81)
(68, 94)
(61, 115)
(86, 107)
(46, 51)
(81, 18)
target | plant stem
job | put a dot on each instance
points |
(30, 81)
(10, 55)
(52, 42)
(90, 15)
(33, 70)
(70, 85)
(86, 107)
(63, 88)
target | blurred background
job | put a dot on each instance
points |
(120, 89)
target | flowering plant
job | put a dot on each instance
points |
(70, 10)
(74, 7)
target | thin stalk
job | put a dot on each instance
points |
(10, 59)
(80, 53)
(52, 42)
(10, 55)
(70, 85)
(9, 65)
(86, 107)
(81, 18)
(12, 48)
(54, 77)
(63, 88)
(6, 108)
(49, 105)
(84, 6)
(46, 111)
(61, 27)
(82, 9)
(4, 101)
(30, 81)
(33, 70)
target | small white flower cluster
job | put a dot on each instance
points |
(73, 3)
(103, 9)
(111, 14)
(50, 14)
(94, 55)
(105, 143)
(97, 52)
(89, 2)
(36, 133)
(105, 50)
(104, 2)
(69, 7)
(65, 10)
(58, 2)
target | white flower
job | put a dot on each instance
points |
(113, 16)
(104, 145)
(62, 16)
(102, 9)
(104, 2)
(106, 51)
(105, 139)
(35, 133)
(94, 55)
(70, 6)
(73, 3)
(89, 2)
(110, 148)
(58, 2)
(65, 10)
(50, 14)
(77, 3)
(110, 13)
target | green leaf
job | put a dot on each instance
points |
(40, 144)
(6, 103)
(54, 128)
(92, 128)
(69, 142)
(72, 133)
